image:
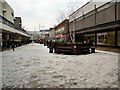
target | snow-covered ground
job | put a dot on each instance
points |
(32, 66)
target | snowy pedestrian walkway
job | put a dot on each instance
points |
(32, 66)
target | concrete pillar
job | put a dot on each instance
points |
(116, 37)
(95, 38)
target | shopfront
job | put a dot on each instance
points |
(106, 38)
(90, 37)
(118, 38)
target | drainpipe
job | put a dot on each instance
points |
(95, 13)
(95, 25)
(83, 24)
(116, 31)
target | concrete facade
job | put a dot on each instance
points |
(8, 30)
(85, 9)
(7, 11)
(99, 21)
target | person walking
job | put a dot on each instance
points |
(13, 45)
(51, 47)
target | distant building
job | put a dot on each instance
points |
(44, 32)
(61, 31)
(18, 22)
(52, 33)
(36, 35)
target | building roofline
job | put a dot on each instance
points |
(61, 23)
(80, 8)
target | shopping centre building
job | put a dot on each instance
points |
(11, 27)
(99, 21)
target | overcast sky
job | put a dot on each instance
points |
(35, 13)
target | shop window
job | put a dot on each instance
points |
(90, 37)
(111, 38)
(107, 38)
(118, 38)
(99, 39)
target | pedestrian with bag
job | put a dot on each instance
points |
(13, 45)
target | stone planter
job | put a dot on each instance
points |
(75, 49)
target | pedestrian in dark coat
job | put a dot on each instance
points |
(51, 47)
(13, 45)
